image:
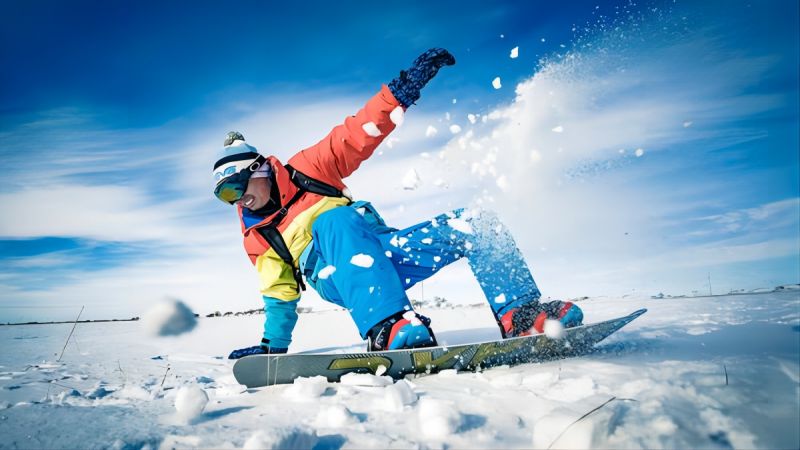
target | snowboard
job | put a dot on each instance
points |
(268, 370)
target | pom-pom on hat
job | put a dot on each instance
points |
(237, 155)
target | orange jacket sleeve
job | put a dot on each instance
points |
(344, 149)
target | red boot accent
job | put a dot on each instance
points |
(508, 324)
(538, 324)
(395, 328)
(564, 309)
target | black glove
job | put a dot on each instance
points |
(263, 349)
(407, 85)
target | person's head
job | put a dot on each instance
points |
(242, 175)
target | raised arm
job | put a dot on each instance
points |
(343, 150)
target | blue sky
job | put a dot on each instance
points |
(110, 115)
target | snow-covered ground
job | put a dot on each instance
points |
(717, 372)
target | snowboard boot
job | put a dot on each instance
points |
(405, 329)
(530, 317)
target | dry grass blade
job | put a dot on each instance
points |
(70, 334)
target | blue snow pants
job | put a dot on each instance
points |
(373, 265)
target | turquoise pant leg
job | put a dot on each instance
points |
(420, 251)
(364, 281)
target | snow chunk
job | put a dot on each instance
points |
(438, 419)
(455, 129)
(293, 438)
(397, 116)
(506, 380)
(431, 131)
(460, 225)
(190, 401)
(500, 298)
(496, 83)
(362, 260)
(371, 129)
(398, 395)
(398, 242)
(639, 152)
(169, 317)
(388, 254)
(571, 390)
(335, 416)
(687, 124)
(553, 329)
(306, 389)
(547, 428)
(365, 379)
(411, 180)
(326, 272)
(427, 241)
(514, 53)
(472, 119)
(558, 129)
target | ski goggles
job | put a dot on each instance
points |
(232, 181)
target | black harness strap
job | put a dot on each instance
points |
(270, 231)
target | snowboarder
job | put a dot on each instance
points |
(301, 226)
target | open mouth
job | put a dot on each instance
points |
(248, 201)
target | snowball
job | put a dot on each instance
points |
(500, 298)
(687, 124)
(514, 52)
(335, 416)
(388, 254)
(431, 131)
(553, 329)
(168, 318)
(455, 129)
(459, 225)
(306, 389)
(362, 260)
(397, 116)
(438, 419)
(283, 438)
(371, 129)
(398, 395)
(326, 272)
(411, 180)
(639, 152)
(502, 183)
(364, 379)
(190, 401)
(472, 119)
(558, 129)
(455, 100)
(496, 83)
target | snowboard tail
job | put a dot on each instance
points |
(267, 370)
